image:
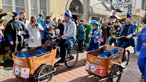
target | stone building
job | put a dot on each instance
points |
(79, 8)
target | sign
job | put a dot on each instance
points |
(101, 71)
(25, 72)
(93, 67)
(17, 70)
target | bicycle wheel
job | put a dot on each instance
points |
(42, 73)
(115, 74)
(71, 58)
(126, 57)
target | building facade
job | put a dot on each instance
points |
(79, 8)
(137, 8)
(100, 10)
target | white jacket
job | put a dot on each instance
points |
(35, 34)
(70, 29)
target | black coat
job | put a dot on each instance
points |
(61, 28)
(12, 29)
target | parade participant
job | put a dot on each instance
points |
(69, 35)
(80, 36)
(114, 31)
(129, 31)
(60, 26)
(16, 33)
(23, 19)
(3, 51)
(141, 47)
(95, 35)
(34, 30)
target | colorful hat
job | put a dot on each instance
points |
(95, 23)
(129, 16)
(15, 14)
(68, 14)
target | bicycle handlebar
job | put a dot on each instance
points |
(118, 37)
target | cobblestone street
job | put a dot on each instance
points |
(78, 73)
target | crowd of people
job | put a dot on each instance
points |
(19, 33)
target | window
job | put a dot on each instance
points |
(43, 7)
(34, 8)
(142, 4)
(7, 5)
(20, 5)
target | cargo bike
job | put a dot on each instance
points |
(110, 68)
(41, 68)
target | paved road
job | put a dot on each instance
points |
(78, 73)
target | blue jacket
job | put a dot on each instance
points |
(131, 31)
(141, 39)
(81, 31)
(45, 30)
(97, 35)
(142, 56)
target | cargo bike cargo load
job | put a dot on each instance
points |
(40, 67)
(110, 68)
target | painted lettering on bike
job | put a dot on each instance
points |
(18, 62)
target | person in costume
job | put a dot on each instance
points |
(3, 46)
(16, 33)
(95, 35)
(129, 31)
(141, 48)
(69, 35)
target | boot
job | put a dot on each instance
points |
(7, 57)
(1, 59)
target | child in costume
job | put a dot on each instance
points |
(95, 35)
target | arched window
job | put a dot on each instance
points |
(76, 7)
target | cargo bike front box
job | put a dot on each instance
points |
(37, 67)
(105, 67)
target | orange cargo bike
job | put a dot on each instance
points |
(110, 68)
(41, 68)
